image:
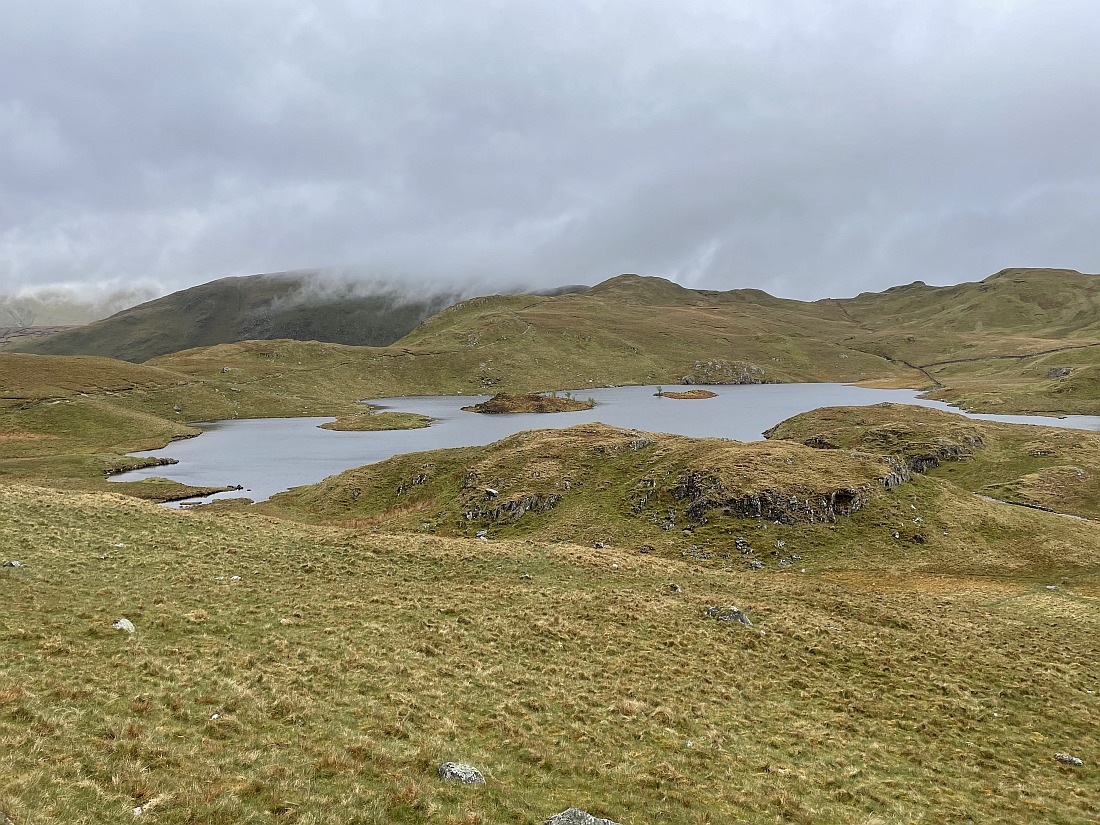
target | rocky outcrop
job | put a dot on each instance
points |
(704, 492)
(724, 372)
(512, 511)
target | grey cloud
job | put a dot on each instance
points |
(803, 147)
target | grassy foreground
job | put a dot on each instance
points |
(326, 684)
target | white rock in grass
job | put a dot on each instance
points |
(124, 624)
(18, 565)
(457, 772)
(1067, 759)
(575, 816)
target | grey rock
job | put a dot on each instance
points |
(457, 772)
(124, 624)
(729, 614)
(1059, 372)
(675, 588)
(575, 816)
(18, 565)
(755, 564)
(4, 820)
(1068, 759)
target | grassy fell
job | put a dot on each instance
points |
(344, 665)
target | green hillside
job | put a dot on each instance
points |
(921, 591)
(298, 305)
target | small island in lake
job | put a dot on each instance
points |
(529, 403)
(690, 394)
(369, 421)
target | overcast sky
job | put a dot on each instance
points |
(806, 147)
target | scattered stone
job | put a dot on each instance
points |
(729, 614)
(234, 578)
(1052, 587)
(525, 575)
(18, 565)
(456, 772)
(785, 562)
(675, 588)
(601, 545)
(755, 564)
(796, 557)
(491, 493)
(138, 811)
(124, 624)
(482, 534)
(575, 816)
(214, 717)
(1067, 759)
(4, 820)
(1059, 372)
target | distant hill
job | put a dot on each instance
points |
(299, 305)
(64, 308)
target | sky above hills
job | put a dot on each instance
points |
(803, 147)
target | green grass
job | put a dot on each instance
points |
(346, 664)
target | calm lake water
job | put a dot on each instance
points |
(269, 455)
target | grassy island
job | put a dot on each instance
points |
(529, 403)
(369, 422)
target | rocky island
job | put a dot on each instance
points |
(529, 403)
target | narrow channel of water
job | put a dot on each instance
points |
(268, 455)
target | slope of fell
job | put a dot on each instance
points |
(296, 305)
(280, 671)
